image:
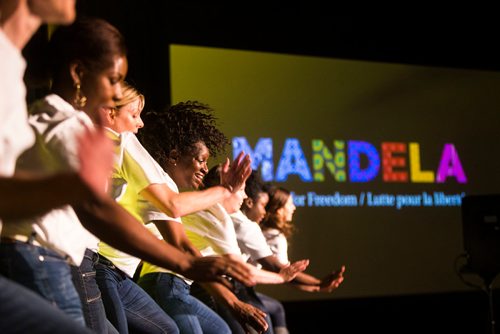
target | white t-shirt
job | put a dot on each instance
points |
(15, 133)
(212, 231)
(57, 125)
(134, 170)
(278, 243)
(251, 241)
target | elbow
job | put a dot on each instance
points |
(172, 209)
(176, 212)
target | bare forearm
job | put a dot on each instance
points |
(261, 276)
(221, 293)
(173, 232)
(28, 196)
(114, 225)
(181, 204)
(265, 276)
(272, 263)
(306, 279)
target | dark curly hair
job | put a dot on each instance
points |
(180, 127)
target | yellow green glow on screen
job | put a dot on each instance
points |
(378, 155)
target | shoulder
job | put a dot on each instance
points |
(51, 115)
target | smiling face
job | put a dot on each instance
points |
(188, 170)
(255, 210)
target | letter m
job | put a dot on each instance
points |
(261, 156)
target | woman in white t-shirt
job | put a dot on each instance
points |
(22, 310)
(252, 242)
(277, 228)
(212, 231)
(138, 182)
(277, 224)
(88, 63)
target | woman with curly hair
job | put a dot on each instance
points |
(141, 185)
(181, 140)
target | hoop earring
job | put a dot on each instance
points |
(80, 99)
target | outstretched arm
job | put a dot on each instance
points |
(184, 203)
(114, 225)
(285, 274)
(304, 281)
(329, 283)
(27, 194)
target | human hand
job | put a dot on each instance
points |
(232, 176)
(249, 315)
(213, 268)
(289, 272)
(95, 153)
(332, 281)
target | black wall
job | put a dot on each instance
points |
(463, 41)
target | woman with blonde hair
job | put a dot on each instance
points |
(143, 188)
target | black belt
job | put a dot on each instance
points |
(104, 261)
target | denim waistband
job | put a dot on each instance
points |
(40, 250)
(104, 261)
(29, 239)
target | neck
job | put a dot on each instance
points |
(17, 22)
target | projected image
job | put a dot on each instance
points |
(378, 156)
(293, 162)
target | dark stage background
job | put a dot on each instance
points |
(402, 78)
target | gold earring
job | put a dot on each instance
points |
(80, 99)
(112, 112)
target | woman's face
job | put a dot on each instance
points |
(256, 210)
(128, 117)
(103, 88)
(233, 203)
(286, 212)
(190, 169)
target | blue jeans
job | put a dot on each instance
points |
(43, 271)
(190, 314)
(129, 307)
(242, 293)
(24, 311)
(275, 308)
(249, 295)
(90, 295)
